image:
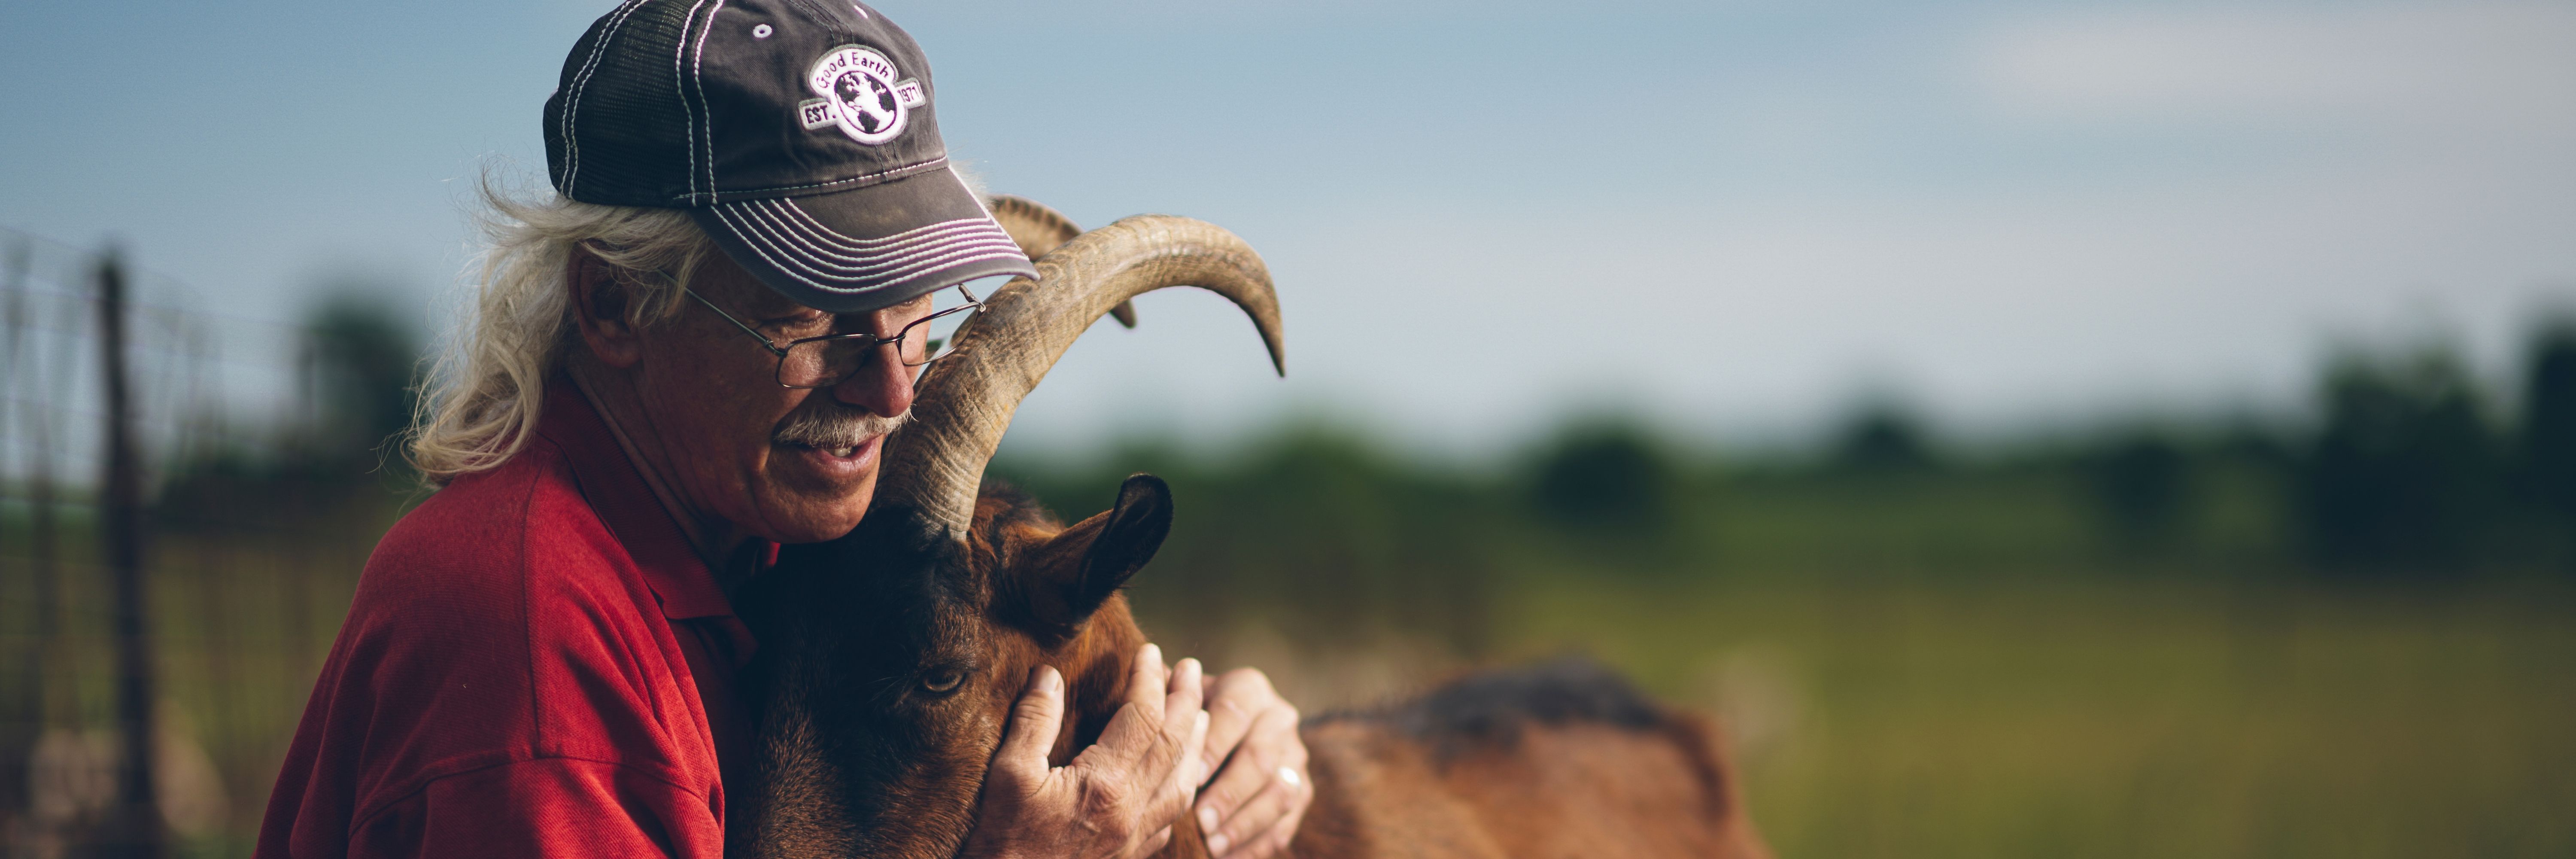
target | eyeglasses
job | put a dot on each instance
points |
(827, 360)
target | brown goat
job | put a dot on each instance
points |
(1559, 760)
(890, 658)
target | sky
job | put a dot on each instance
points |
(1737, 217)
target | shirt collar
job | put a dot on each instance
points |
(618, 494)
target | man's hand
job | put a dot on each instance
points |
(1117, 799)
(1261, 789)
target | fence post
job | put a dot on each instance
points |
(26, 722)
(134, 826)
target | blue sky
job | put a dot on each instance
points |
(1735, 216)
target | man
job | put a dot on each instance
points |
(540, 659)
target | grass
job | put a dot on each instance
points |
(2099, 716)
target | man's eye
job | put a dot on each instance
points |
(800, 326)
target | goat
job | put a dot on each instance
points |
(890, 658)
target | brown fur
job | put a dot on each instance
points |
(861, 758)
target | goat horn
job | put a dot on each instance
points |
(936, 463)
(1038, 228)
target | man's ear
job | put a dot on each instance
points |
(600, 302)
(1066, 580)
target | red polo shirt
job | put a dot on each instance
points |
(535, 664)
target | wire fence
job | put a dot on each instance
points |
(243, 554)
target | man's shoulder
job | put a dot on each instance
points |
(510, 558)
(493, 610)
(492, 529)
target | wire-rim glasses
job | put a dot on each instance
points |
(829, 359)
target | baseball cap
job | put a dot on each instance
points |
(800, 134)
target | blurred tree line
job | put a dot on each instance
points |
(2407, 470)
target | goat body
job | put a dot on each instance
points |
(889, 664)
(1557, 760)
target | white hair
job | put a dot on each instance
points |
(486, 385)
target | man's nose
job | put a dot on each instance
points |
(883, 386)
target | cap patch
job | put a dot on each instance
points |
(860, 92)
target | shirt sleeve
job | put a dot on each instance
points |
(547, 807)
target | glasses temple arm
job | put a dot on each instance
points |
(737, 323)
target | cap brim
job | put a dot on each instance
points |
(867, 248)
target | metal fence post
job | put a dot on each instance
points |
(134, 825)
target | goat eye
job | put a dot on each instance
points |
(942, 680)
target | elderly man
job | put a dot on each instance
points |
(688, 355)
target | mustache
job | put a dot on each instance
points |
(836, 427)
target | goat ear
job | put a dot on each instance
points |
(1134, 533)
(1081, 567)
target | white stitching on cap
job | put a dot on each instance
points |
(800, 269)
(679, 88)
(802, 229)
(960, 233)
(697, 79)
(959, 257)
(896, 172)
(826, 260)
(957, 238)
(724, 217)
(829, 237)
(581, 84)
(858, 245)
(882, 265)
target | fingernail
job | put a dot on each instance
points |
(1207, 823)
(1217, 844)
(1049, 679)
(1153, 653)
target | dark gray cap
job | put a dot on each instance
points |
(800, 134)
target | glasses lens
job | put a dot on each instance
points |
(936, 337)
(823, 363)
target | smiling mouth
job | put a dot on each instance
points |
(836, 433)
(837, 452)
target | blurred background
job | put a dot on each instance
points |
(2115, 428)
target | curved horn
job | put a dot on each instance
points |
(937, 462)
(1038, 229)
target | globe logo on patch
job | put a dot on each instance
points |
(861, 92)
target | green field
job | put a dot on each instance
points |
(2116, 719)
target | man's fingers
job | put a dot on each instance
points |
(1146, 682)
(1191, 772)
(1271, 843)
(1233, 700)
(1250, 822)
(1035, 720)
(1133, 735)
(1254, 765)
(1181, 703)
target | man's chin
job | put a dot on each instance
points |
(816, 522)
(808, 504)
